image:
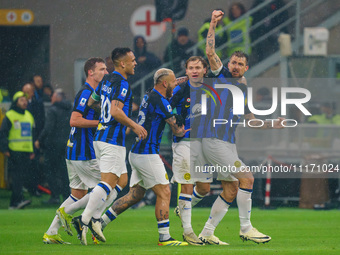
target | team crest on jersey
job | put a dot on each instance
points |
(124, 91)
(169, 108)
(187, 176)
(83, 101)
(188, 100)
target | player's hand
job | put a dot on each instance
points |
(7, 154)
(184, 131)
(32, 156)
(216, 16)
(140, 131)
(278, 124)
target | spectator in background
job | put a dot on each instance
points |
(176, 50)
(270, 45)
(109, 65)
(53, 141)
(221, 37)
(36, 108)
(47, 93)
(238, 33)
(326, 117)
(37, 81)
(16, 140)
(146, 62)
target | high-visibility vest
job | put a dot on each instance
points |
(20, 135)
(322, 119)
(239, 28)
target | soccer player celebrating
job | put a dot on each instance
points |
(187, 150)
(114, 95)
(221, 149)
(148, 171)
(81, 160)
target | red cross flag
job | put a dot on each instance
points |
(143, 22)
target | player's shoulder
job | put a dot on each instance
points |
(179, 89)
(225, 72)
(85, 90)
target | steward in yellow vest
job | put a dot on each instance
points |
(238, 33)
(16, 142)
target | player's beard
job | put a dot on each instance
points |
(168, 92)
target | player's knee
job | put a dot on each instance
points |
(203, 189)
(123, 180)
(164, 193)
(247, 183)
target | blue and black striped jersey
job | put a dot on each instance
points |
(225, 132)
(80, 143)
(187, 101)
(113, 87)
(153, 112)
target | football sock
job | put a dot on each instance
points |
(244, 208)
(163, 230)
(184, 204)
(56, 224)
(98, 197)
(195, 198)
(80, 204)
(107, 217)
(218, 210)
(113, 195)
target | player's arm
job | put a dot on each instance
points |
(269, 124)
(214, 60)
(177, 130)
(77, 120)
(182, 79)
(94, 102)
(118, 114)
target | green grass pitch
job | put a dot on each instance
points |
(293, 231)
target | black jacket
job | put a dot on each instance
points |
(57, 127)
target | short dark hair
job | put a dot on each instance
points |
(197, 58)
(118, 53)
(90, 64)
(240, 54)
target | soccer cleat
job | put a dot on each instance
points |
(172, 242)
(96, 228)
(94, 239)
(192, 239)
(65, 219)
(53, 239)
(81, 229)
(177, 212)
(213, 240)
(255, 236)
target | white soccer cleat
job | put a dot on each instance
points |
(213, 240)
(255, 236)
(192, 239)
(96, 229)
